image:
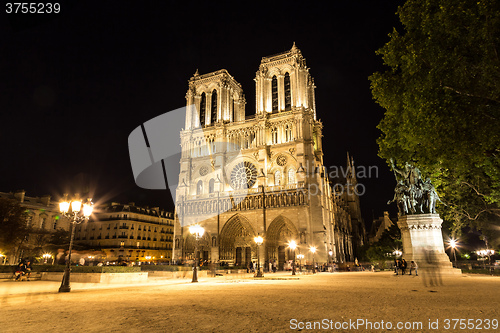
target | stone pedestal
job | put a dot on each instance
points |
(423, 242)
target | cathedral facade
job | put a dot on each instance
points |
(243, 176)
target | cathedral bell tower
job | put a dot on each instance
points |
(213, 98)
(283, 83)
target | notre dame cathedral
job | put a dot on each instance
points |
(243, 176)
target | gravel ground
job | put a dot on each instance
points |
(336, 302)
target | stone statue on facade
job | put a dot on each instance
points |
(412, 194)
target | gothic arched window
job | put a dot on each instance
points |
(277, 178)
(233, 113)
(274, 93)
(214, 107)
(288, 96)
(203, 108)
(291, 176)
(211, 186)
(274, 135)
(199, 188)
(288, 132)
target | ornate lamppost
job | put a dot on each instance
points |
(300, 256)
(453, 244)
(198, 231)
(313, 250)
(77, 215)
(46, 257)
(293, 245)
(330, 261)
(259, 240)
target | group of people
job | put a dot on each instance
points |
(402, 265)
(23, 269)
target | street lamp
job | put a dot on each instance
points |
(300, 256)
(198, 231)
(4, 258)
(46, 257)
(330, 261)
(453, 244)
(293, 246)
(313, 250)
(486, 253)
(77, 214)
(259, 240)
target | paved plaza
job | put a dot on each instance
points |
(336, 302)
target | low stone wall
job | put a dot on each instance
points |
(189, 274)
(33, 276)
(97, 277)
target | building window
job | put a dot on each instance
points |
(291, 176)
(211, 186)
(277, 178)
(54, 225)
(233, 113)
(214, 107)
(29, 219)
(274, 93)
(288, 96)
(274, 135)
(42, 223)
(288, 132)
(199, 188)
(203, 107)
(122, 244)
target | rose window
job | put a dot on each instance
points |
(243, 175)
(203, 170)
(281, 160)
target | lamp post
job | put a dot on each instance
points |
(486, 253)
(293, 245)
(330, 261)
(313, 250)
(300, 256)
(197, 231)
(46, 257)
(259, 240)
(77, 214)
(453, 244)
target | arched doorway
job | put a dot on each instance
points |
(236, 244)
(280, 232)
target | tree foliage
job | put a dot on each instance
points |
(441, 96)
(389, 241)
(13, 230)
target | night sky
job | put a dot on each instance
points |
(75, 84)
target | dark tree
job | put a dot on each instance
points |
(13, 230)
(441, 96)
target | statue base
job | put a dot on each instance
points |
(423, 243)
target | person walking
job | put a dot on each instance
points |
(414, 266)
